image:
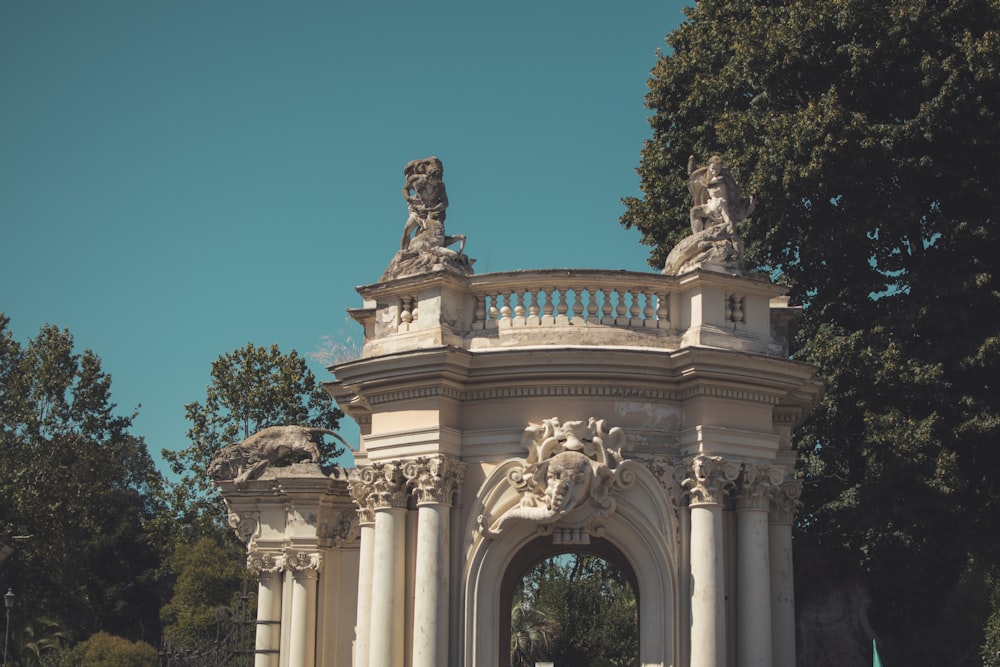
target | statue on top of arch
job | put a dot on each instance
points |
(424, 246)
(718, 209)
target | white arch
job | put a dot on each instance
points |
(643, 527)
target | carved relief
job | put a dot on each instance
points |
(569, 476)
(707, 479)
(339, 528)
(260, 562)
(301, 561)
(363, 494)
(435, 479)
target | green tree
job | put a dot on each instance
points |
(868, 133)
(251, 388)
(533, 632)
(77, 491)
(206, 577)
(591, 604)
(105, 650)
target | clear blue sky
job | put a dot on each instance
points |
(180, 178)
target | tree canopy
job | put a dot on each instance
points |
(77, 491)
(869, 135)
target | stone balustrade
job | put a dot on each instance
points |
(575, 307)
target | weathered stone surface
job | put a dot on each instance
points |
(718, 209)
(423, 247)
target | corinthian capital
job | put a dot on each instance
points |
(389, 488)
(756, 485)
(301, 561)
(363, 494)
(436, 479)
(707, 479)
(785, 501)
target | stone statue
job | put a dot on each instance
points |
(424, 244)
(718, 209)
(243, 461)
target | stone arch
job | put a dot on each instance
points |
(641, 534)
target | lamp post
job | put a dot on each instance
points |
(8, 603)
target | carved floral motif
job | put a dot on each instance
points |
(569, 477)
(785, 501)
(756, 484)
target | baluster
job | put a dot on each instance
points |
(648, 311)
(494, 312)
(562, 308)
(505, 310)
(519, 307)
(405, 312)
(533, 319)
(634, 310)
(592, 306)
(663, 310)
(578, 306)
(620, 309)
(606, 317)
(547, 308)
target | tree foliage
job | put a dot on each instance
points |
(105, 650)
(252, 388)
(575, 609)
(869, 134)
(77, 493)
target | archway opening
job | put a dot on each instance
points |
(571, 607)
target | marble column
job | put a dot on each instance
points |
(302, 638)
(707, 481)
(784, 501)
(388, 566)
(753, 569)
(363, 494)
(435, 481)
(268, 641)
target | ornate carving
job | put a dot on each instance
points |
(569, 476)
(718, 208)
(363, 494)
(301, 561)
(707, 479)
(785, 501)
(424, 245)
(246, 525)
(243, 461)
(756, 485)
(435, 479)
(264, 562)
(389, 488)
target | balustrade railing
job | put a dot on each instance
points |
(576, 299)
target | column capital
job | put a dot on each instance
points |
(264, 562)
(363, 494)
(435, 480)
(785, 501)
(389, 487)
(707, 479)
(302, 564)
(756, 483)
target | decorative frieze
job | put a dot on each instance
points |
(707, 479)
(435, 479)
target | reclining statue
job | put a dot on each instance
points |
(246, 460)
